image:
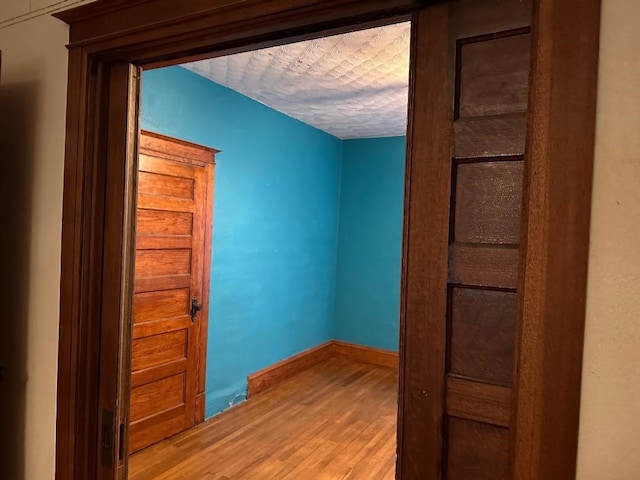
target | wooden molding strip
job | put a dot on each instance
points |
(153, 143)
(364, 354)
(277, 373)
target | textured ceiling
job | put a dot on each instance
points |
(353, 85)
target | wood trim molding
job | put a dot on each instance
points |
(122, 22)
(206, 300)
(555, 236)
(365, 354)
(277, 373)
(289, 367)
(176, 149)
(423, 308)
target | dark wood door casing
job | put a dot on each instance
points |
(472, 89)
(555, 217)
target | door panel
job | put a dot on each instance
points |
(169, 274)
(482, 334)
(477, 451)
(462, 312)
(491, 82)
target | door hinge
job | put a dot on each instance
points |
(107, 438)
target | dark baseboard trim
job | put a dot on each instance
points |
(277, 373)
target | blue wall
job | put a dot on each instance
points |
(306, 230)
(367, 299)
(275, 224)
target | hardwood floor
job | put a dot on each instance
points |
(335, 421)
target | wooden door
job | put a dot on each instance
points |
(173, 244)
(464, 198)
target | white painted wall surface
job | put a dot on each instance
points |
(32, 115)
(13, 11)
(610, 414)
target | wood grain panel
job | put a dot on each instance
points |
(158, 349)
(158, 242)
(155, 327)
(157, 263)
(161, 304)
(478, 401)
(475, 18)
(557, 207)
(483, 265)
(426, 237)
(165, 185)
(477, 451)
(161, 222)
(155, 397)
(488, 201)
(481, 334)
(502, 135)
(154, 202)
(150, 375)
(174, 209)
(150, 284)
(146, 430)
(157, 163)
(494, 76)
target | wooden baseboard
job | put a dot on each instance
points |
(279, 372)
(364, 354)
(287, 368)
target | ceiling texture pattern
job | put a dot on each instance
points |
(353, 85)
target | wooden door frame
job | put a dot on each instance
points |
(556, 213)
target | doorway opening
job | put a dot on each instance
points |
(268, 260)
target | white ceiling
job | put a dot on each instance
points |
(353, 85)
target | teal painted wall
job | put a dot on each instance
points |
(306, 230)
(275, 225)
(367, 298)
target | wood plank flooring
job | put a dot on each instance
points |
(335, 421)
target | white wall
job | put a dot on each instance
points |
(610, 414)
(32, 101)
(32, 115)
(15, 11)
